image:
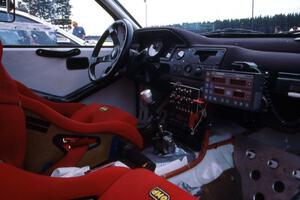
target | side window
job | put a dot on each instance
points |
(55, 23)
(10, 37)
(33, 34)
(92, 18)
(37, 27)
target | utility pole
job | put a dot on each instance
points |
(146, 13)
(252, 14)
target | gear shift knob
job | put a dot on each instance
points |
(146, 96)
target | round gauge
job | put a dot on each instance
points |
(155, 48)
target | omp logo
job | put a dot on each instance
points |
(159, 194)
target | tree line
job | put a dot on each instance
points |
(265, 24)
(59, 11)
(54, 11)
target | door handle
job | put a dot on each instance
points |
(57, 54)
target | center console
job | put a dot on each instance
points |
(185, 118)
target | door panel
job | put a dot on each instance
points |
(48, 75)
(122, 94)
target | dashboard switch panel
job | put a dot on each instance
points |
(241, 90)
(181, 98)
(181, 106)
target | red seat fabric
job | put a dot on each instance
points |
(18, 184)
(79, 118)
(92, 113)
(12, 126)
(138, 184)
(111, 183)
(119, 128)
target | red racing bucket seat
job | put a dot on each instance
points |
(108, 183)
(75, 120)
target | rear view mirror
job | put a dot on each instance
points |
(9, 14)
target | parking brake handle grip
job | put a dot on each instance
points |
(57, 54)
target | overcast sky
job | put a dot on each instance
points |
(164, 12)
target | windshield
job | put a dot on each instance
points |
(215, 16)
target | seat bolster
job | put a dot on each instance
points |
(103, 113)
(138, 184)
(19, 185)
(117, 128)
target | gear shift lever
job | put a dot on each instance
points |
(146, 96)
(163, 141)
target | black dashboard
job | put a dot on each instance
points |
(186, 55)
(248, 85)
(243, 73)
(276, 54)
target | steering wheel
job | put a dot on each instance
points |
(121, 34)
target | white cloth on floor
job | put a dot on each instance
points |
(70, 171)
(119, 164)
(215, 162)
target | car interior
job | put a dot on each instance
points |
(163, 113)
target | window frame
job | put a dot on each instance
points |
(86, 89)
